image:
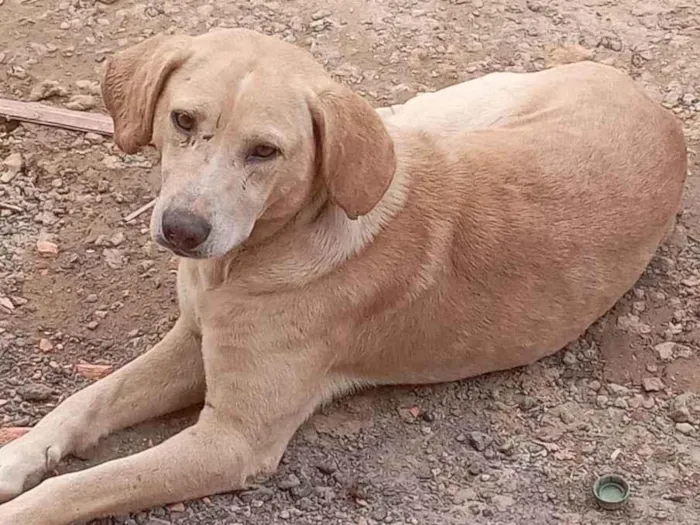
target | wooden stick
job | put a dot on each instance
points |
(142, 209)
(11, 207)
(56, 117)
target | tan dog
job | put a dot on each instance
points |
(475, 229)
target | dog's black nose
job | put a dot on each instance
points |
(185, 230)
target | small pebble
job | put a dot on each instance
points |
(289, 482)
(81, 102)
(177, 507)
(685, 428)
(652, 384)
(680, 415)
(665, 350)
(480, 441)
(93, 372)
(47, 247)
(46, 345)
(35, 392)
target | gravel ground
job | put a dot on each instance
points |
(82, 293)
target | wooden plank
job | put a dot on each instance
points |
(58, 117)
(61, 118)
(37, 113)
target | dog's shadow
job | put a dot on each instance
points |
(379, 434)
(367, 419)
(374, 447)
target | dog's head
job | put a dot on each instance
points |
(249, 128)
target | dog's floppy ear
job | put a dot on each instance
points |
(355, 154)
(132, 82)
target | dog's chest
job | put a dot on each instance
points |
(194, 278)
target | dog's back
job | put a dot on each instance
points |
(539, 211)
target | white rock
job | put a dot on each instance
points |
(685, 428)
(665, 350)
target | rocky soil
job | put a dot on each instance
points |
(82, 292)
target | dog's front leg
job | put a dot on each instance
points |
(253, 406)
(168, 377)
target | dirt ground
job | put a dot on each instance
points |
(521, 447)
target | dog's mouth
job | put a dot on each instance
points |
(188, 254)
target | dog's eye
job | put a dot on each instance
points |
(263, 152)
(183, 121)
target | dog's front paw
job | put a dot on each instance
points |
(23, 464)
